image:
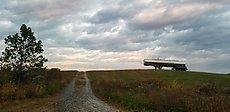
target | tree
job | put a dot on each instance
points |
(22, 53)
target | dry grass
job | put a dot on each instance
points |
(214, 103)
(54, 81)
(143, 91)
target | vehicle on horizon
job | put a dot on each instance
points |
(176, 65)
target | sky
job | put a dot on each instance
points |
(119, 34)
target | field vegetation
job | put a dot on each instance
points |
(47, 83)
(163, 91)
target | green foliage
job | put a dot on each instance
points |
(22, 54)
(53, 87)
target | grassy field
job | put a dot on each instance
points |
(167, 91)
(53, 82)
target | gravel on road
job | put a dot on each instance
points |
(88, 102)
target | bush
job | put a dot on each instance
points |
(3, 77)
(215, 103)
(53, 86)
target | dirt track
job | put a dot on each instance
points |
(87, 102)
(76, 97)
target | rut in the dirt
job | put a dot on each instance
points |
(69, 97)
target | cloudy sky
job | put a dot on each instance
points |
(119, 34)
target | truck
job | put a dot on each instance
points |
(176, 65)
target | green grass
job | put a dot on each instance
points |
(188, 78)
(158, 90)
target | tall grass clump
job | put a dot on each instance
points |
(48, 82)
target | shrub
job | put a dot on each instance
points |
(53, 86)
(3, 77)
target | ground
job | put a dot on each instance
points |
(162, 90)
(76, 97)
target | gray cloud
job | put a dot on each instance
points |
(212, 34)
(124, 31)
(121, 10)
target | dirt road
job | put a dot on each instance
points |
(87, 102)
(76, 97)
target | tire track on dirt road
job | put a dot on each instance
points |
(69, 97)
(88, 102)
